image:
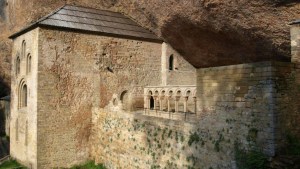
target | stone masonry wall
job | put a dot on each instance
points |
(287, 108)
(23, 123)
(295, 43)
(183, 74)
(237, 109)
(121, 140)
(258, 95)
(79, 73)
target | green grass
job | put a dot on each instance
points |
(11, 164)
(88, 165)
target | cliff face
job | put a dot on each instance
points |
(206, 32)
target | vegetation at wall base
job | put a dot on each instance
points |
(252, 159)
(293, 147)
(89, 165)
(11, 164)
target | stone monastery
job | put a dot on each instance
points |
(90, 84)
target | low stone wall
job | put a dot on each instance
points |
(139, 141)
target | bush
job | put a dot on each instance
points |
(252, 159)
(89, 165)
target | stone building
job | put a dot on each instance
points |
(90, 84)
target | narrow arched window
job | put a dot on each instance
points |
(23, 49)
(18, 62)
(151, 103)
(24, 96)
(28, 64)
(171, 62)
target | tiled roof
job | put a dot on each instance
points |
(92, 20)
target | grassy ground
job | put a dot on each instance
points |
(89, 165)
(11, 164)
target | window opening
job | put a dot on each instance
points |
(171, 62)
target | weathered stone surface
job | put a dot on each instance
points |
(23, 121)
(83, 90)
(205, 32)
(248, 110)
(72, 78)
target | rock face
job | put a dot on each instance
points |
(206, 32)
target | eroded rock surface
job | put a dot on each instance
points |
(206, 32)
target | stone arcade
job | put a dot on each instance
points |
(90, 84)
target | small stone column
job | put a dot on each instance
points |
(185, 104)
(176, 103)
(169, 106)
(195, 104)
(161, 103)
(148, 101)
(155, 102)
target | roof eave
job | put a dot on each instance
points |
(34, 25)
(295, 22)
(157, 40)
(24, 30)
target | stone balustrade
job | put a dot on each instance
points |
(170, 98)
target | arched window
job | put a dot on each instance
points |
(171, 62)
(22, 95)
(151, 102)
(23, 49)
(18, 62)
(28, 64)
(125, 100)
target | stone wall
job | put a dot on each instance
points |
(257, 96)
(240, 107)
(140, 141)
(295, 43)
(79, 73)
(23, 124)
(183, 72)
(287, 108)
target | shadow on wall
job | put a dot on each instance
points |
(205, 46)
(2, 120)
(285, 2)
(4, 88)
